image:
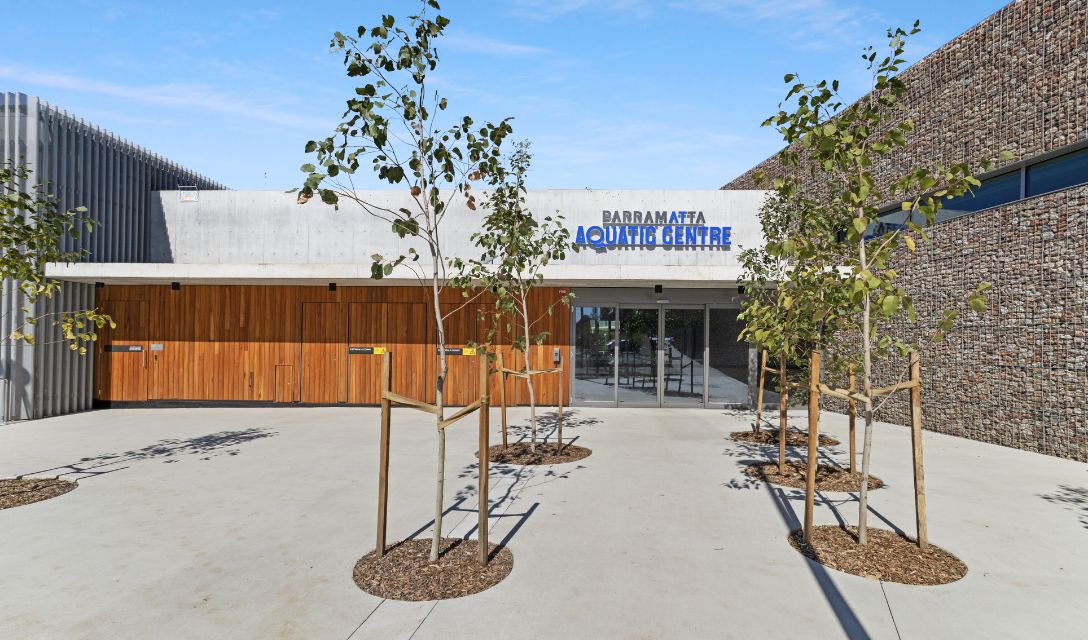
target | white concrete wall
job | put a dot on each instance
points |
(269, 227)
(265, 236)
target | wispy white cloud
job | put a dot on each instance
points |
(551, 9)
(811, 24)
(471, 43)
(636, 152)
(172, 95)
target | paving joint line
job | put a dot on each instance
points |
(429, 611)
(890, 612)
(366, 618)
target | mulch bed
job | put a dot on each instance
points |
(15, 492)
(828, 478)
(519, 453)
(405, 572)
(793, 438)
(887, 556)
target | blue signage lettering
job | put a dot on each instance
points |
(630, 228)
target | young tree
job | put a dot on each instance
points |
(396, 122)
(830, 154)
(32, 233)
(792, 300)
(515, 247)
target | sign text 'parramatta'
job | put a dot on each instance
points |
(652, 229)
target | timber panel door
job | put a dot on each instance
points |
(400, 328)
(366, 331)
(121, 358)
(320, 351)
(408, 338)
(463, 375)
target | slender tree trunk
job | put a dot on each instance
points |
(529, 378)
(783, 402)
(759, 393)
(867, 386)
(440, 481)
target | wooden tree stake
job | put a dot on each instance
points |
(853, 423)
(759, 394)
(813, 440)
(383, 456)
(783, 401)
(916, 445)
(562, 386)
(502, 396)
(485, 461)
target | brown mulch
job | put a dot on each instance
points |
(15, 492)
(887, 556)
(828, 478)
(406, 573)
(519, 453)
(770, 436)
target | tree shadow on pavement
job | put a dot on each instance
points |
(844, 613)
(168, 450)
(516, 479)
(547, 425)
(749, 453)
(1073, 499)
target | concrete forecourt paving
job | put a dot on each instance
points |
(246, 523)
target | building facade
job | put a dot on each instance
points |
(1018, 81)
(81, 165)
(250, 297)
(247, 297)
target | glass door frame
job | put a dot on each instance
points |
(573, 377)
(658, 368)
(663, 308)
(708, 403)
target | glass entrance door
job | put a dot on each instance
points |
(594, 355)
(682, 357)
(664, 355)
(727, 370)
(637, 354)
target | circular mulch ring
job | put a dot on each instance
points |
(16, 492)
(887, 556)
(793, 438)
(405, 572)
(828, 478)
(519, 453)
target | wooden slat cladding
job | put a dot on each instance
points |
(276, 344)
(320, 352)
(121, 353)
(400, 328)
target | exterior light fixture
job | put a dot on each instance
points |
(332, 286)
(658, 288)
(99, 285)
(175, 286)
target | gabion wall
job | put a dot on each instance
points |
(1016, 376)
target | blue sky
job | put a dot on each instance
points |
(612, 93)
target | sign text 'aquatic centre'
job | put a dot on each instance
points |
(651, 229)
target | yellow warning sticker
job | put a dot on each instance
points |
(379, 351)
(468, 351)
